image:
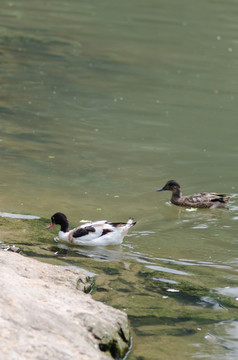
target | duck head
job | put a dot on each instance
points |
(59, 219)
(171, 185)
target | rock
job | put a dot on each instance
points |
(85, 284)
(45, 315)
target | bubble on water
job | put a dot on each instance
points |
(201, 226)
(191, 209)
(211, 338)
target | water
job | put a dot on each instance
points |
(101, 104)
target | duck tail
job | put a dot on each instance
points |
(131, 222)
(126, 226)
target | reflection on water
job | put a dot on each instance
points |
(101, 103)
(221, 343)
(229, 291)
(166, 270)
(19, 216)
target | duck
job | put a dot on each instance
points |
(97, 233)
(199, 200)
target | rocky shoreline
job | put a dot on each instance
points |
(46, 314)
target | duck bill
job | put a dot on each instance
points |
(50, 226)
(161, 189)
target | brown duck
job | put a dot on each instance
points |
(200, 200)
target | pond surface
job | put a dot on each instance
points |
(101, 103)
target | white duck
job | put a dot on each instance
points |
(91, 234)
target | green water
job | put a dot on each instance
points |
(102, 103)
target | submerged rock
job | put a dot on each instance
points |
(46, 315)
(12, 248)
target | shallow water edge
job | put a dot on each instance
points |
(167, 303)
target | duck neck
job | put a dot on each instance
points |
(64, 226)
(177, 194)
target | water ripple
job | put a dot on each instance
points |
(168, 270)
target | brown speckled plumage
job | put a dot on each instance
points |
(199, 200)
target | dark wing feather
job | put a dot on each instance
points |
(218, 199)
(105, 231)
(118, 224)
(83, 231)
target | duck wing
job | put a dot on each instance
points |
(197, 198)
(82, 231)
(90, 231)
(223, 198)
(206, 199)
